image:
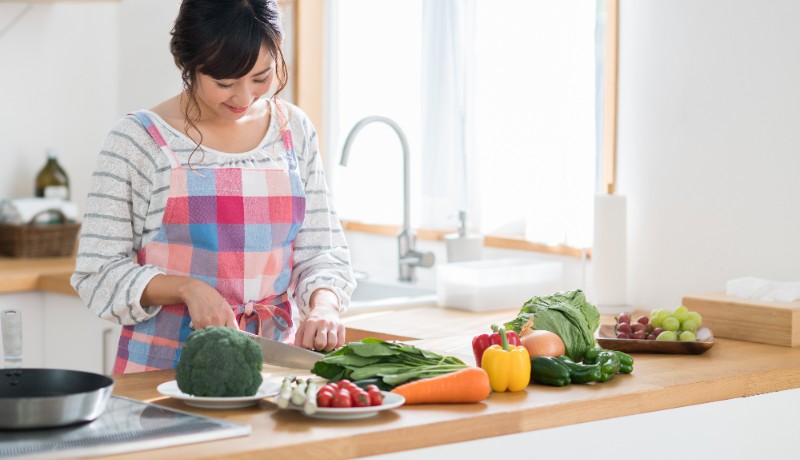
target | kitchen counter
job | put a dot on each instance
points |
(36, 274)
(731, 369)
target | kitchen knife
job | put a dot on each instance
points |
(283, 354)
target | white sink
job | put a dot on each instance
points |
(381, 295)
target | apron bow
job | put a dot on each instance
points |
(251, 316)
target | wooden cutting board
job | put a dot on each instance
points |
(775, 323)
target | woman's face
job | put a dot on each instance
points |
(231, 99)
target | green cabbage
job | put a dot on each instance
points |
(566, 314)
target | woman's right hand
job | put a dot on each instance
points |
(206, 306)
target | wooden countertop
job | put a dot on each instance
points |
(731, 369)
(36, 274)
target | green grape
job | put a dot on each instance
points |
(687, 336)
(668, 336)
(689, 325)
(671, 324)
(694, 316)
(681, 313)
(662, 315)
(655, 319)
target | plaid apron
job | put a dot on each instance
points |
(233, 229)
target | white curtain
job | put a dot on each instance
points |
(508, 117)
(446, 135)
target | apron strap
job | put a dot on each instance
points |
(286, 133)
(157, 137)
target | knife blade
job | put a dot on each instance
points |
(283, 354)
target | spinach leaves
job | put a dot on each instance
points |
(394, 363)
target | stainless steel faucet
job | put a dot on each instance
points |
(408, 256)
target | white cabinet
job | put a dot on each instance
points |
(74, 338)
(757, 427)
(59, 332)
(30, 304)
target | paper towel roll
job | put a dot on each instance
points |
(609, 254)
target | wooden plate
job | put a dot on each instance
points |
(606, 338)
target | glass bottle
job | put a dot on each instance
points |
(12, 337)
(52, 180)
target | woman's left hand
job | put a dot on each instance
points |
(323, 329)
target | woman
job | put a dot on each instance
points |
(211, 208)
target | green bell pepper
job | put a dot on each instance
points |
(625, 360)
(549, 371)
(581, 373)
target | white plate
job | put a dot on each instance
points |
(390, 401)
(265, 390)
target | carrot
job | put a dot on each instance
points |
(468, 385)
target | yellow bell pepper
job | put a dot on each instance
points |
(509, 368)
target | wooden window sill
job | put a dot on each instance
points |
(500, 242)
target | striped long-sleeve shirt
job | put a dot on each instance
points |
(128, 195)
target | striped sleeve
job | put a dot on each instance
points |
(120, 199)
(321, 254)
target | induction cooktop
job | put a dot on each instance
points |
(126, 425)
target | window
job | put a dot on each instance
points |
(374, 48)
(500, 103)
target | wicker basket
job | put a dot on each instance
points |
(39, 240)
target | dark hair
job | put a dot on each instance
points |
(222, 39)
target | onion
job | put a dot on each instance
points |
(541, 342)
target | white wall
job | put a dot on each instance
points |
(69, 71)
(709, 144)
(147, 71)
(58, 80)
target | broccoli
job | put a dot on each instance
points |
(219, 361)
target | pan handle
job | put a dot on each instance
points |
(12, 337)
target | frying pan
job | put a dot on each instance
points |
(44, 398)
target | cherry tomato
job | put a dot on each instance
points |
(342, 399)
(343, 384)
(332, 387)
(349, 387)
(375, 397)
(360, 398)
(324, 398)
(373, 387)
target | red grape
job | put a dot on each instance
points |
(622, 335)
(643, 320)
(624, 318)
(624, 327)
(639, 335)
